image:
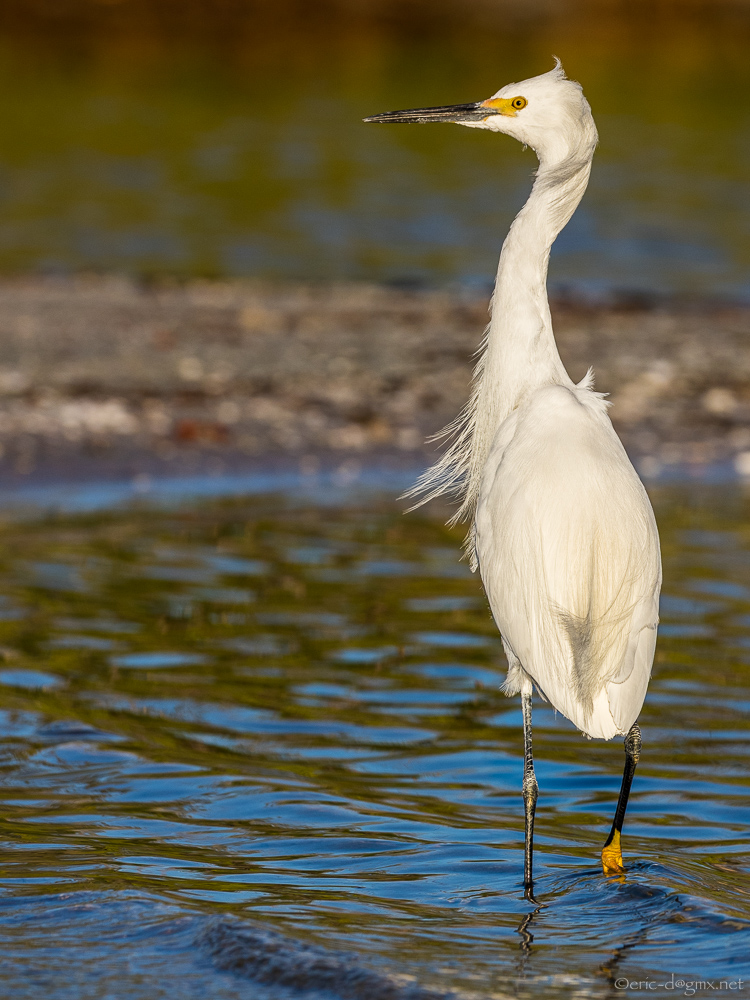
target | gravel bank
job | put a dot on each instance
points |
(102, 369)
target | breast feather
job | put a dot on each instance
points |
(569, 556)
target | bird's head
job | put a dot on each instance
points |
(547, 112)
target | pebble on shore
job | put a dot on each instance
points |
(102, 365)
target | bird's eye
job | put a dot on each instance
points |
(518, 102)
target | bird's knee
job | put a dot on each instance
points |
(530, 787)
(633, 743)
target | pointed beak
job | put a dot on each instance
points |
(457, 113)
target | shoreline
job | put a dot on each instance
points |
(102, 377)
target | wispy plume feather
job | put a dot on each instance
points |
(456, 473)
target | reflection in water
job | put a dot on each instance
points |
(320, 788)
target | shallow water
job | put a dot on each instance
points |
(256, 747)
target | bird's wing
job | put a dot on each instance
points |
(569, 555)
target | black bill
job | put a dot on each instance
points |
(448, 113)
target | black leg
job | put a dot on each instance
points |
(530, 792)
(612, 852)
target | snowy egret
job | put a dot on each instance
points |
(562, 530)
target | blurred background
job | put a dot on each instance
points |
(251, 723)
(223, 138)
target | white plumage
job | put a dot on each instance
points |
(562, 530)
(561, 527)
(568, 552)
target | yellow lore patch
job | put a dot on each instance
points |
(509, 106)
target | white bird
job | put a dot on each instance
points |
(562, 530)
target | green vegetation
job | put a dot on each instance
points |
(161, 146)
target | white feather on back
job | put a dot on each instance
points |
(568, 550)
(563, 531)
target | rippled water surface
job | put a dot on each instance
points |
(256, 748)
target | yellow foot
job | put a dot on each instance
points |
(612, 856)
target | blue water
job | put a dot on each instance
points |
(254, 746)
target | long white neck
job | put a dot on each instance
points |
(519, 352)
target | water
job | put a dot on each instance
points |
(148, 146)
(255, 747)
